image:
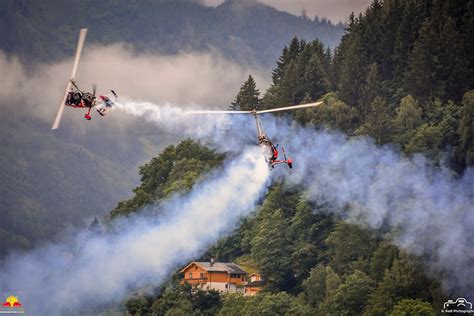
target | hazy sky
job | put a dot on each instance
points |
(335, 10)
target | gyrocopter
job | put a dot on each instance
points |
(270, 150)
(76, 98)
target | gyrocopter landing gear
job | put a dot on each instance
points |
(88, 116)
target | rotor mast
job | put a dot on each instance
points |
(258, 123)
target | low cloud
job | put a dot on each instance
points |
(188, 78)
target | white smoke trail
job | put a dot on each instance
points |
(51, 282)
(427, 210)
(430, 211)
(239, 130)
(171, 118)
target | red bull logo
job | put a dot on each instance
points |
(12, 305)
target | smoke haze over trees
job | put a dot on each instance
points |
(402, 87)
(402, 75)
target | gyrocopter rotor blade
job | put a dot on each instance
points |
(293, 107)
(286, 108)
(80, 44)
(218, 112)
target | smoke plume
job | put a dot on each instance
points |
(427, 210)
(52, 281)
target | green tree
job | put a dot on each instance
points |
(271, 250)
(315, 286)
(332, 282)
(378, 122)
(248, 97)
(282, 62)
(269, 304)
(425, 139)
(352, 71)
(410, 307)
(370, 90)
(316, 78)
(466, 130)
(349, 247)
(138, 306)
(333, 113)
(352, 296)
(232, 305)
(182, 307)
(406, 279)
(446, 117)
(407, 119)
(290, 85)
(408, 115)
(382, 260)
(206, 301)
(300, 308)
(307, 231)
(272, 97)
(176, 168)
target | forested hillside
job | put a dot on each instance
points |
(248, 32)
(313, 263)
(52, 181)
(44, 191)
(402, 74)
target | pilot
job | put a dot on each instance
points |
(274, 152)
(76, 100)
(88, 99)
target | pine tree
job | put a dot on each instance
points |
(378, 123)
(352, 72)
(316, 78)
(248, 97)
(289, 85)
(420, 79)
(271, 250)
(404, 280)
(282, 62)
(370, 90)
(352, 296)
(466, 130)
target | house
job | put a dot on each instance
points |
(221, 276)
(255, 284)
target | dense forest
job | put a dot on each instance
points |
(247, 32)
(42, 195)
(43, 186)
(53, 181)
(402, 74)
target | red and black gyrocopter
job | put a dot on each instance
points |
(75, 98)
(270, 150)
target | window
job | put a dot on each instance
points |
(226, 286)
(190, 275)
(202, 275)
(242, 278)
(196, 267)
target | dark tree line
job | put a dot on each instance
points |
(403, 73)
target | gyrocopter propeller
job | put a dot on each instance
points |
(76, 98)
(271, 151)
